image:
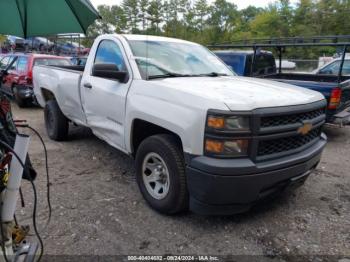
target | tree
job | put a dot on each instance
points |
(119, 19)
(220, 21)
(266, 24)
(275, 21)
(305, 19)
(2, 40)
(131, 11)
(155, 14)
(285, 12)
(201, 11)
(223, 18)
(143, 13)
(113, 21)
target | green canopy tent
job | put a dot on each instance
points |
(26, 18)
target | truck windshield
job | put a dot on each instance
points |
(160, 59)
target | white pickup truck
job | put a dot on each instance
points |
(202, 138)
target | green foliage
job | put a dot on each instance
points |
(221, 21)
(2, 38)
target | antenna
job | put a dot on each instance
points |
(146, 51)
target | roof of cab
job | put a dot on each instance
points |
(155, 38)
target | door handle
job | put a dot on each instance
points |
(88, 85)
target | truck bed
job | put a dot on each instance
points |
(75, 68)
(64, 82)
(307, 77)
(321, 83)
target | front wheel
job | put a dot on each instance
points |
(56, 123)
(161, 174)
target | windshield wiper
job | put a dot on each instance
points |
(214, 74)
(168, 75)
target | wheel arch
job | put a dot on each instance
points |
(47, 94)
(142, 129)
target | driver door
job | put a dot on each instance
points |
(104, 99)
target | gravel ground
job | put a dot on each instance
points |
(98, 209)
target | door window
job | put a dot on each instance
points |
(22, 64)
(264, 64)
(333, 68)
(14, 65)
(346, 68)
(4, 62)
(108, 52)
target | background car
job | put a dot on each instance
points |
(39, 44)
(69, 49)
(19, 79)
(15, 43)
(241, 62)
(332, 68)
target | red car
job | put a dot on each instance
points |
(18, 81)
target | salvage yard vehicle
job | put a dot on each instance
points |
(39, 44)
(202, 137)
(332, 68)
(244, 63)
(18, 82)
(332, 80)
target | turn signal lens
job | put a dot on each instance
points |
(213, 146)
(335, 98)
(229, 123)
(234, 148)
(216, 122)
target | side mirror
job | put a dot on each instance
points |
(110, 71)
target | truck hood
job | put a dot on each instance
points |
(243, 93)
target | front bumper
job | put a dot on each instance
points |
(229, 186)
(25, 92)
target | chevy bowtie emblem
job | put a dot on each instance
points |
(305, 129)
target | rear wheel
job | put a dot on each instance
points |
(57, 124)
(161, 174)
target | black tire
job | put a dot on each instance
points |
(21, 102)
(166, 146)
(56, 123)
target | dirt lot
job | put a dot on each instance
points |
(98, 210)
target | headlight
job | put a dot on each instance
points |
(232, 147)
(229, 123)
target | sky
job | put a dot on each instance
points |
(240, 3)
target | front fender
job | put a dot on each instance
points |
(187, 123)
